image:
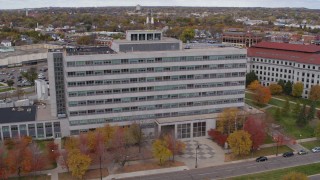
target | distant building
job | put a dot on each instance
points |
(289, 62)
(6, 43)
(138, 8)
(241, 39)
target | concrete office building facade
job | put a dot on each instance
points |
(171, 90)
(289, 62)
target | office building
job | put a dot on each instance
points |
(148, 79)
(290, 62)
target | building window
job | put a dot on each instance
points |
(184, 130)
(199, 129)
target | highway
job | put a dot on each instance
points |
(235, 169)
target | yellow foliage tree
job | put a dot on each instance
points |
(227, 120)
(315, 93)
(295, 176)
(240, 142)
(297, 89)
(71, 143)
(108, 133)
(92, 143)
(275, 89)
(78, 163)
(254, 85)
(160, 150)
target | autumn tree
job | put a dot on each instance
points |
(78, 163)
(250, 77)
(297, 89)
(288, 88)
(135, 135)
(63, 161)
(10, 83)
(228, 120)
(262, 95)
(4, 169)
(37, 157)
(275, 89)
(174, 145)
(53, 151)
(187, 35)
(257, 130)
(240, 142)
(18, 157)
(314, 94)
(254, 85)
(295, 176)
(160, 150)
(120, 147)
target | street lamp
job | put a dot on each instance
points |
(198, 147)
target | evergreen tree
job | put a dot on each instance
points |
(288, 88)
(297, 108)
(250, 77)
(312, 111)
(278, 114)
(281, 83)
(286, 108)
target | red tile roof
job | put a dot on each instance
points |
(300, 57)
(288, 47)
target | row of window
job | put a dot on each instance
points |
(312, 67)
(154, 107)
(154, 98)
(153, 60)
(37, 130)
(155, 79)
(155, 69)
(155, 88)
(144, 116)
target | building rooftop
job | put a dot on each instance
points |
(163, 40)
(295, 56)
(18, 114)
(20, 52)
(288, 47)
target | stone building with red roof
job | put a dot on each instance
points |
(289, 62)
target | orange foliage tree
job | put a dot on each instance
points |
(262, 95)
(254, 85)
(174, 145)
(275, 89)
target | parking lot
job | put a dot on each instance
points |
(14, 74)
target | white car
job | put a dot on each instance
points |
(316, 149)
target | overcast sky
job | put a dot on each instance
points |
(18, 4)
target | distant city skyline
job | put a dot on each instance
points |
(20, 4)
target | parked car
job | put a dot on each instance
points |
(287, 154)
(261, 159)
(302, 152)
(315, 149)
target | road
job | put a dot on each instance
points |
(235, 169)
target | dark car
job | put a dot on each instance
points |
(302, 152)
(287, 154)
(261, 159)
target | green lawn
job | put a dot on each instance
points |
(255, 105)
(6, 89)
(268, 140)
(288, 123)
(294, 99)
(277, 102)
(264, 152)
(311, 144)
(309, 169)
